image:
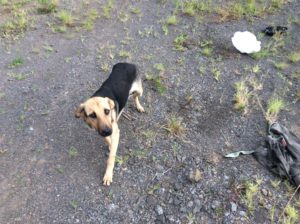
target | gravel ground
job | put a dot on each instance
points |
(52, 165)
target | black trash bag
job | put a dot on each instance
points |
(281, 154)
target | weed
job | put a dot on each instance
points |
(291, 214)
(135, 10)
(73, 204)
(124, 54)
(190, 217)
(48, 48)
(241, 97)
(179, 42)
(206, 51)
(91, 16)
(159, 67)
(107, 8)
(175, 126)
(298, 95)
(256, 69)
(19, 76)
(280, 65)
(73, 151)
(275, 105)
(159, 86)
(275, 183)
(121, 160)
(165, 29)
(123, 17)
(172, 20)
(216, 73)
(201, 70)
(17, 62)
(47, 6)
(251, 190)
(16, 26)
(105, 67)
(153, 188)
(294, 57)
(66, 18)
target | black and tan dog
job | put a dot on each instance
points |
(103, 109)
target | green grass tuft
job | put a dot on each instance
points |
(275, 105)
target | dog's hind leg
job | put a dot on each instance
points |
(137, 91)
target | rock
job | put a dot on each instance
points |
(159, 210)
(190, 204)
(242, 213)
(233, 207)
(264, 192)
(195, 175)
(215, 204)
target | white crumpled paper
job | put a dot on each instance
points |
(245, 42)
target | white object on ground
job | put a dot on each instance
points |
(245, 42)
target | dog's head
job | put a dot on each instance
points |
(98, 113)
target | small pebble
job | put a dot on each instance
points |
(159, 210)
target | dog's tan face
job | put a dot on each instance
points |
(97, 113)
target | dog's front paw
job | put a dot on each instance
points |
(107, 179)
(140, 109)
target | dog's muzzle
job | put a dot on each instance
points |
(106, 132)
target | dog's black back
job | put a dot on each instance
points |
(118, 84)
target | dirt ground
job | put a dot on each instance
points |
(52, 165)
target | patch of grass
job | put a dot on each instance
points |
(275, 183)
(179, 42)
(241, 97)
(175, 126)
(275, 105)
(280, 65)
(256, 69)
(159, 67)
(251, 190)
(206, 51)
(73, 204)
(19, 76)
(216, 73)
(17, 62)
(16, 25)
(66, 18)
(156, 80)
(48, 48)
(196, 7)
(201, 70)
(107, 8)
(124, 54)
(291, 215)
(121, 160)
(91, 16)
(135, 10)
(165, 29)
(47, 6)
(172, 20)
(294, 57)
(298, 95)
(73, 151)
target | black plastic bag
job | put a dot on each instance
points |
(281, 154)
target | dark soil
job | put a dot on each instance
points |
(43, 182)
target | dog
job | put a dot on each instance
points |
(104, 108)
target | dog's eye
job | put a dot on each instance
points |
(106, 111)
(93, 115)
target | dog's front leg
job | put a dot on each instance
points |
(113, 143)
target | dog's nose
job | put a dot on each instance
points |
(106, 132)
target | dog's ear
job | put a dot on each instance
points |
(79, 112)
(111, 103)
